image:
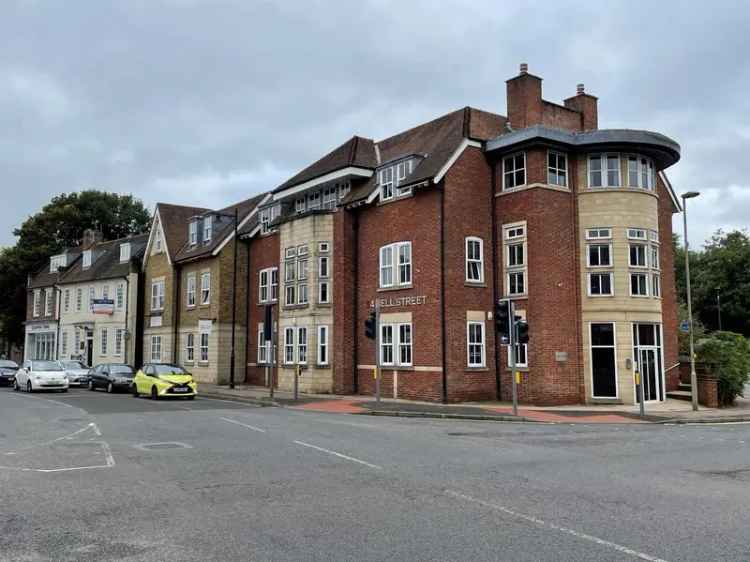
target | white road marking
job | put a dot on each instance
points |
(542, 523)
(258, 429)
(334, 453)
(68, 436)
(109, 460)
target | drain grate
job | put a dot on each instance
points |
(161, 446)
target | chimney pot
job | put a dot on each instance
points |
(524, 68)
(580, 89)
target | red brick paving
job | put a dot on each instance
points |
(333, 406)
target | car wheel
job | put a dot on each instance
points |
(191, 397)
(110, 388)
(134, 389)
(154, 393)
(15, 385)
(29, 388)
(91, 385)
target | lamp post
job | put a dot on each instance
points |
(234, 294)
(693, 376)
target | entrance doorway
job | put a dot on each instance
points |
(647, 352)
(89, 347)
(603, 361)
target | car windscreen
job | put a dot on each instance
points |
(73, 365)
(168, 370)
(46, 366)
(8, 364)
(120, 370)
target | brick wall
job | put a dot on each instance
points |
(346, 321)
(670, 322)
(262, 252)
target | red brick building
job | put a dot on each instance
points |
(438, 223)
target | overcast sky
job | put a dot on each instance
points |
(205, 102)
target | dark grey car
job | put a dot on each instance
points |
(7, 372)
(112, 376)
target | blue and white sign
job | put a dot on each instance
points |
(684, 326)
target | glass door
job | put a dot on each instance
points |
(648, 354)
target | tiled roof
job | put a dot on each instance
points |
(222, 229)
(106, 264)
(174, 220)
(436, 141)
(44, 278)
(357, 151)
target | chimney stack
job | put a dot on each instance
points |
(586, 105)
(91, 237)
(524, 99)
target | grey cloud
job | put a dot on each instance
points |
(206, 102)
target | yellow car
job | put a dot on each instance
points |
(160, 380)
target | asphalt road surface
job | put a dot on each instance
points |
(90, 476)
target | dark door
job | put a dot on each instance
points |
(603, 361)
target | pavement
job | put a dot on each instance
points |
(88, 476)
(669, 411)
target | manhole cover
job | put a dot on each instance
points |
(160, 446)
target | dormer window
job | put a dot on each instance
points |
(313, 200)
(207, 228)
(86, 259)
(299, 205)
(193, 232)
(391, 178)
(56, 262)
(125, 252)
(386, 184)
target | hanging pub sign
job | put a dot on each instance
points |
(103, 306)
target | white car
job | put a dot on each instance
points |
(41, 375)
(78, 373)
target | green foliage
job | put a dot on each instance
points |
(60, 224)
(729, 354)
(722, 270)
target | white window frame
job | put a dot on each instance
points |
(656, 284)
(512, 173)
(208, 228)
(92, 296)
(324, 247)
(610, 274)
(400, 272)
(190, 290)
(204, 341)
(323, 345)
(48, 301)
(299, 205)
(270, 286)
(120, 296)
(79, 299)
(86, 263)
(641, 248)
(396, 344)
(637, 234)
(302, 294)
(302, 346)
(64, 344)
(314, 200)
(262, 360)
(556, 171)
(471, 240)
(520, 364)
(205, 287)
(119, 334)
(599, 246)
(599, 233)
(515, 234)
(386, 180)
(289, 345)
(482, 345)
(324, 272)
(157, 294)
(645, 276)
(66, 301)
(604, 158)
(324, 292)
(103, 341)
(190, 347)
(37, 302)
(193, 233)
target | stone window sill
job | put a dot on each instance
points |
(395, 288)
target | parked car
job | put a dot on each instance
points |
(41, 375)
(7, 372)
(112, 376)
(78, 373)
(160, 380)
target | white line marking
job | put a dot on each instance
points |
(258, 429)
(96, 429)
(542, 523)
(109, 459)
(334, 453)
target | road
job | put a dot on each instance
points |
(91, 476)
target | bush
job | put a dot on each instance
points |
(729, 353)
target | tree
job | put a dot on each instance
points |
(721, 269)
(59, 225)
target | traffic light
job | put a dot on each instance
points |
(502, 320)
(523, 331)
(370, 327)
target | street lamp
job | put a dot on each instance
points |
(234, 294)
(693, 376)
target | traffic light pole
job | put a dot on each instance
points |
(512, 338)
(377, 352)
